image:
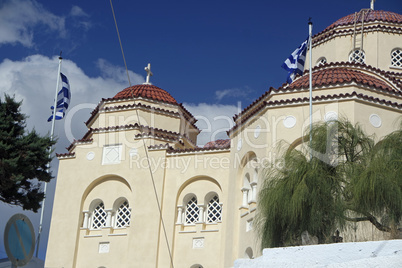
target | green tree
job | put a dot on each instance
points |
(348, 178)
(374, 190)
(300, 195)
(23, 158)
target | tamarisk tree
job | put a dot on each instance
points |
(348, 178)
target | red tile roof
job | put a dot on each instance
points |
(195, 150)
(218, 144)
(322, 75)
(372, 15)
(333, 76)
(146, 91)
(65, 155)
(334, 73)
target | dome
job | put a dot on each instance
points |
(372, 15)
(146, 91)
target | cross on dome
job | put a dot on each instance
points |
(149, 74)
(372, 4)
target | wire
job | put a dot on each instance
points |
(121, 46)
(143, 143)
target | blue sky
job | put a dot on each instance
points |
(216, 57)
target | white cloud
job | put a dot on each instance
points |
(79, 18)
(109, 71)
(76, 11)
(213, 119)
(233, 92)
(33, 80)
(18, 17)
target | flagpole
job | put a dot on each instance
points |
(310, 26)
(50, 150)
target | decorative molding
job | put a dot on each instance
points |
(198, 242)
(375, 120)
(90, 156)
(290, 121)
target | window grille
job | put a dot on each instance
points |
(214, 210)
(396, 58)
(192, 211)
(123, 215)
(99, 217)
(357, 56)
(321, 61)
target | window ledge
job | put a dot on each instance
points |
(244, 214)
(209, 231)
(395, 67)
(88, 236)
(187, 232)
(253, 209)
(117, 234)
(120, 228)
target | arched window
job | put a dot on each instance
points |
(321, 61)
(123, 215)
(192, 211)
(396, 57)
(214, 210)
(196, 266)
(99, 216)
(357, 56)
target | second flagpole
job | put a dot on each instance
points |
(50, 150)
(310, 26)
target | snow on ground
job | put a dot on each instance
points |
(386, 253)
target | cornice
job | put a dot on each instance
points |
(330, 34)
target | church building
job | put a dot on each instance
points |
(136, 190)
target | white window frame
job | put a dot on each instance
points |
(127, 213)
(93, 225)
(216, 205)
(357, 56)
(194, 218)
(321, 61)
(396, 58)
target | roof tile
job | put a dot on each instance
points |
(218, 144)
(372, 15)
(339, 76)
(146, 91)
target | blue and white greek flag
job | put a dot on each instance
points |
(295, 63)
(63, 99)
